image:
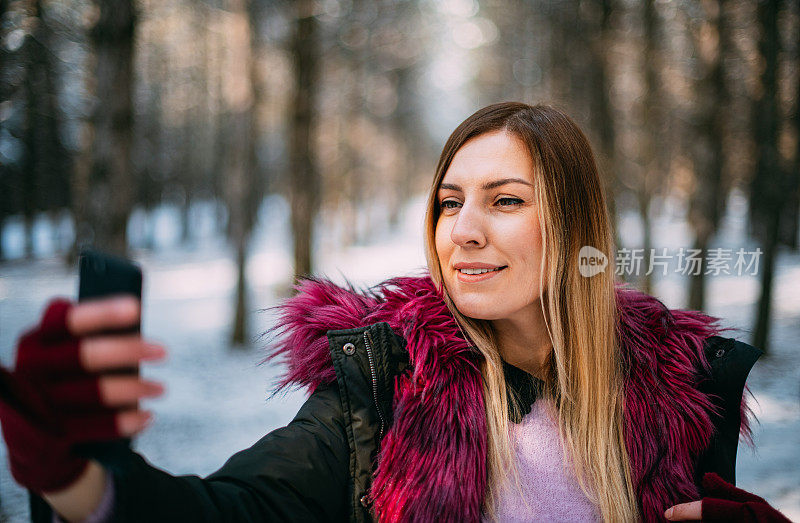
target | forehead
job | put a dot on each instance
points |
(498, 154)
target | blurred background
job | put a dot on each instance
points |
(231, 146)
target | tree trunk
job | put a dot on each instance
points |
(45, 162)
(707, 203)
(5, 173)
(791, 220)
(768, 188)
(239, 334)
(104, 180)
(302, 160)
(761, 327)
(601, 117)
(188, 172)
(697, 282)
(240, 177)
(644, 198)
(652, 119)
(153, 139)
(219, 142)
(243, 183)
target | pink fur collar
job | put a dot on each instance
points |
(432, 461)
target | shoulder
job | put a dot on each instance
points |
(730, 361)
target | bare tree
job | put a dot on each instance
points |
(103, 181)
(45, 166)
(790, 222)
(149, 142)
(768, 189)
(706, 137)
(602, 125)
(242, 185)
(304, 183)
(6, 200)
(791, 231)
(650, 158)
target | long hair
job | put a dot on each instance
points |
(584, 375)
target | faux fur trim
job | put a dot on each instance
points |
(421, 475)
(667, 419)
(432, 462)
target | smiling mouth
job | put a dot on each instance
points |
(469, 276)
(480, 271)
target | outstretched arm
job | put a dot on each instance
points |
(295, 473)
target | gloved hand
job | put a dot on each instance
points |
(57, 396)
(724, 502)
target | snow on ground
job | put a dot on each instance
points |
(215, 402)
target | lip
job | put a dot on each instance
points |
(474, 278)
(475, 265)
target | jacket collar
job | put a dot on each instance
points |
(432, 460)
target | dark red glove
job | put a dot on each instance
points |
(724, 502)
(49, 403)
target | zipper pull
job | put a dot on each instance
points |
(366, 500)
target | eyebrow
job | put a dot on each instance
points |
(488, 185)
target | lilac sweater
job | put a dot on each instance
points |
(550, 489)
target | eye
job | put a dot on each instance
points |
(449, 204)
(509, 202)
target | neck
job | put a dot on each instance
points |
(523, 340)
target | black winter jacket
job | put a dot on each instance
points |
(319, 467)
(316, 468)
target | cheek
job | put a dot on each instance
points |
(442, 243)
(525, 248)
(534, 247)
(535, 235)
(524, 239)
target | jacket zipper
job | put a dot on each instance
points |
(368, 343)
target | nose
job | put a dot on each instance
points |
(469, 228)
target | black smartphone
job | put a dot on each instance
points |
(103, 275)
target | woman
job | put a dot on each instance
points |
(503, 385)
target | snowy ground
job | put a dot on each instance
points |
(216, 395)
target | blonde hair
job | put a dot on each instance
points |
(584, 375)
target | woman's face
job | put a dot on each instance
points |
(489, 221)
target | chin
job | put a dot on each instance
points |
(479, 309)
